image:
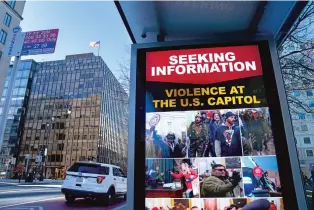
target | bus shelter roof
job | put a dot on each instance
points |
(154, 21)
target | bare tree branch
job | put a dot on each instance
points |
(295, 56)
(124, 70)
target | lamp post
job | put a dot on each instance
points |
(45, 152)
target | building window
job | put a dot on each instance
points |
(7, 19)
(297, 93)
(311, 104)
(307, 140)
(60, 136)
(60, 147)
(309, 153)
(309, 93)
(302, 116)
(3, 36)
(11, 4)
(304, 128)
(0, 55)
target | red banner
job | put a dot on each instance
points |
(203, 65)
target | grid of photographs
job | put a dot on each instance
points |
(211, 160)
(215, 204)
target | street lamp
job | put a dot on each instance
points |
(44, 155)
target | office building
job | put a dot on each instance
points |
(76, 112)
(303, 125)
(10, 17)
(16, 114)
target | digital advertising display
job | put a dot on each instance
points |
(210, 133)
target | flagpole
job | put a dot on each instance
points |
(98, 48)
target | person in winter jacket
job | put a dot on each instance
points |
(213, 126)
(198, 135)
(228, 138)
(189, 174)
(217, 185)
(255, 130)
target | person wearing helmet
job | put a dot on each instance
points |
(198, 134)
(171, 148)
(204, 116)
(169, 145)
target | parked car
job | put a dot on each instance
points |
(95, 181)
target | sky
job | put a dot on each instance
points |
(79, 22)
(266, 162)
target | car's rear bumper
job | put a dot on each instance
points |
(82, 193)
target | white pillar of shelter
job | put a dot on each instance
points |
(7, 102)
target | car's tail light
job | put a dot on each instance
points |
(100, 179)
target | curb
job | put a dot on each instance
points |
(121, 207)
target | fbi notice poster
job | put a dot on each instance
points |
(209, 142)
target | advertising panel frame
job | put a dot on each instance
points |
(287, 156)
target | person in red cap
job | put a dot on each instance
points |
(272, 206)
(258, 174)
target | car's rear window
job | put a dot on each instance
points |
(89, 168)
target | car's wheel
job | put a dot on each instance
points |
(69, 198)
(111, 196)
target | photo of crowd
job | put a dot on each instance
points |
(211, 160)
(220, 177)
(242, 204)
(173, 204)
(257, 130)
(215, 204)
(261, 177)
(214, 133)
(175, 178)
(166, 135)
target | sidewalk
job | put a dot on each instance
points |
(46, 181)
(123, 207)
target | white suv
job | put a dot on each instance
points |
(95, 181)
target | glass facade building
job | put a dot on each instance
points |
(74, 115)
(16, 115)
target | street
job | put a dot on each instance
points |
(42, 196)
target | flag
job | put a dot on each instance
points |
(94, 44)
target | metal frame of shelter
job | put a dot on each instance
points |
(136, 106)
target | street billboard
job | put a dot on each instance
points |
(32, 42)
(214, 134)
(40, 42)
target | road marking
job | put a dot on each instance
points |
(10, 183)
(37, 185)
(50, 199)
(29, 208)
(25, 190)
